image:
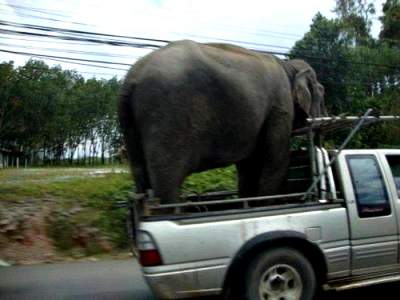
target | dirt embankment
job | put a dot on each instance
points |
(32, 232)
(62, 213)
(23, 235)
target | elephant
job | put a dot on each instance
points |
(189, 107)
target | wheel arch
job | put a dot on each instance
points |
(275, 239)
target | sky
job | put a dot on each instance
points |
(264, 24)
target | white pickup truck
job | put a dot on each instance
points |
(347, 236)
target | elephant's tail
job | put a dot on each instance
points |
(132, 137)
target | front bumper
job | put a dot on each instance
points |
(167, 283)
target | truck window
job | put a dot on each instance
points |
(394, 163)
(371, 195)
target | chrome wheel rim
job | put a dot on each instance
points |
(280, 282)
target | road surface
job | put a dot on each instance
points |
(118, 279)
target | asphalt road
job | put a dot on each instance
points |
(119, 279)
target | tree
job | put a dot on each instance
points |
(52, 112)
(358, 72)
(390, 32)
(107, 128)
(355, 18)
(8, 103)
(324, 48)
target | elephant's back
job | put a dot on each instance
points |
(210, 98)
(179, 60)
(220, 74)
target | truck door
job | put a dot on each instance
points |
(391, 164)
(373, 225)
(393, 161)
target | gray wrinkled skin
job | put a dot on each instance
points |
(189, 107)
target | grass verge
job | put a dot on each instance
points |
(84, 216)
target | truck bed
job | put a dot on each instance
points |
(298, 180)
(197, 249)
(243, 213)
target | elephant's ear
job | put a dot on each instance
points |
(301, 92)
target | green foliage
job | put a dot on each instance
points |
(390, 32)
(357, 71)
(325, 49)
(213, 180)
(72, 230)
(355, 19)
(102, 195)
(61, 229)
(97, 197)
(46, 111)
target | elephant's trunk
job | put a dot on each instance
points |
(318, 108)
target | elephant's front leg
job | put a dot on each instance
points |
(275, 159)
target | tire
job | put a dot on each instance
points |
(280, 274)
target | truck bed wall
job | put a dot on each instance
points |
(206, 239)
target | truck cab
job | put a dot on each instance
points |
(345, 235)
(369, 180)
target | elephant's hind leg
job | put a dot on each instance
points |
(276, 156)
(166, 176)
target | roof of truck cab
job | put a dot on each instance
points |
(370, 151)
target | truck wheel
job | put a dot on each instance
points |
(280, 274)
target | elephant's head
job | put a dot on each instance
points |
(308, 93)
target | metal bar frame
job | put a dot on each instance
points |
(311, 151)
(344, 144)
(328, 124)
(214, 202)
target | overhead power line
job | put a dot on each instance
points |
(63, 57)
(41, 40)
(38, 10)
(97, 73)
(69, 61)
(72, 38)
(72, 61)
(20, 10)
(82, 37)
(71, 51)
(25, 15)
(241, 42)
(80, 32)
(274, 34)
(84, 33)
